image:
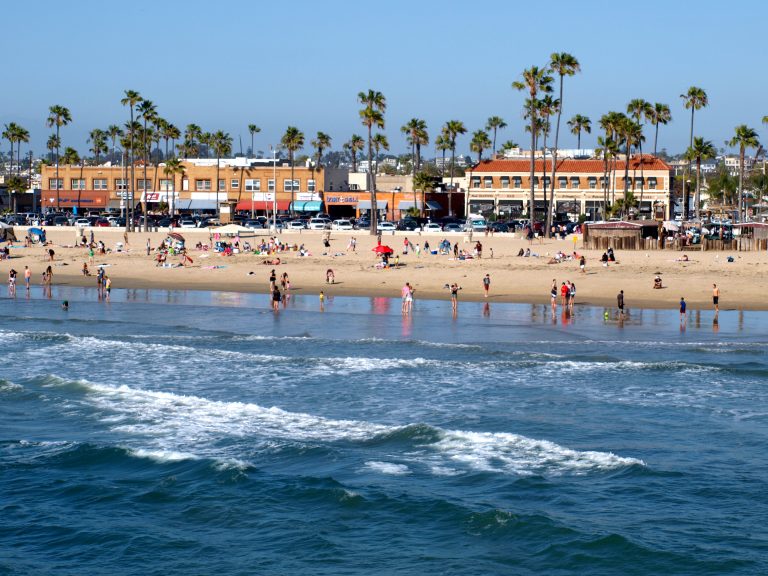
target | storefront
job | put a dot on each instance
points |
(341, 204)
(78, 201)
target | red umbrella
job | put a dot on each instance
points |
(381, 249)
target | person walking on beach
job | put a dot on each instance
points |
(27, 276)
(12, 282)
(716, 298)
(620, 302)
(100, 281)
(572, 295)
(486, 284)
(455, 296)
(583, 264)
(683, 306)
(272, 280)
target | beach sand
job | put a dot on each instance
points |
(513, 279)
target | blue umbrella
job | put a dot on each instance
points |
(35, 232)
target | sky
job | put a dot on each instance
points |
(229, 63)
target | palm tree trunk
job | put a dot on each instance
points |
(293, 197)
(145, 228)
(218, 207)
(58, 188)
(372, 184)
(532, 198)
(697, 200)
(578, 139)
(655, 139)
(450, 192)
(741, 183)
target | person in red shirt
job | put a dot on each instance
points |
(564, 291)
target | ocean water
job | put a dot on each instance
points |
(198, 433)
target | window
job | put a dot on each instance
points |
(652, 183)
(518, 181)
(270, 185)
(287, 185)
(536, 181)
(78, 184)
(488, 182)
(562, 182)
(99, 183)
(222, 185)
(202, 185)
(639, 181)
(603, 181)
(234, 183)
(475, 182)
(253, 185)
(592, 182)
(166, 185)
(121, 184)
(575, 182)
(311, 185)
(505, 181)
(54, 184)
(185, 183)
(143, 184)
(627, 182)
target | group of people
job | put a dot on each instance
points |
(566, 291)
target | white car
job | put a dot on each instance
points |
(432, 227)
(342, 225)
(187, 223)
(387, 227)
(295, 225)
(82, 222)
(318, 224)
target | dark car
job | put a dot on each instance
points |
(408, 224)
(60, 221)
(498, 227)
(253, 224)
(363, 224)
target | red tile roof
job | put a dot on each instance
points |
(649, 162)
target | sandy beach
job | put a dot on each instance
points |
(513, 278)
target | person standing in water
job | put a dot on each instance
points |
(620, 302)
(716, 298)
(682, 310)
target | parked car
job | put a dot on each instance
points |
(296, 225)
(433, 227)
(363, 224)
(499, 227)
(386, 227)
(103, 223)
(452, 227)
(318, 224)
(82, 222)
(60, 221)
(253, 224)
(476, 224)
(187, 223)
(408, 224)
(342, 225)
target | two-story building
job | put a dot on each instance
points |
(502, 186)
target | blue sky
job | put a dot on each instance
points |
(229, 63)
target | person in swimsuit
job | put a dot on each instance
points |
(107, 286)
(455, 296)
(276, 297)
(716, 297)
(620, 302)
(27, 276)
(683, 306)
(553, 294)
(486, 284)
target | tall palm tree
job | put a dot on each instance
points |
(661, 115)
(453, 128)
(192, 136)
(372, 115)
(98, 138)
(695, 99)
(22, 137)
(380, 142)
(114, 132)
(443, 144)
(148, 113)
(640, 110)
(321, 142)
(579, 124)
(562, 64)
(480, 142)
(174, 134)
(206, 140)
(131, 99)
(221, 142)
(58, 116)
(422, 181)
(701, 150)
(535, 80)
(495, 123)
(547, 106)
(253, 130)
(292, 140)
(353, 146)
(744, 138)
(51, 144)
(172, 167)
(417, 136)
(10, 134)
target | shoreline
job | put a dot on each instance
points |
(513, 279)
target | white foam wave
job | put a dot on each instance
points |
(168, 424)
(162, 455)
(387, 468)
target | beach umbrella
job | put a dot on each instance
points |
(381, 249)
(35, 232)
(176, 236)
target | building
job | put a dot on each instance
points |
(256, 184)
(502, 187)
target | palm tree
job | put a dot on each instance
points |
(745, 138)
(509, 145)
(192, 137)
(452, 129)
(421, 181)
(148, 113)
(535, 80)
(58, 116)
(172, 167)
(352, 147)
(579, 124)
(98, 138)
(114, 132)
(495, 123)
(547, 106)
(253, 129)
(174, 134)
(221, 142)
(51, 144)
(562, 64)
(11, 133)
(372, 115)
(417, 136)
(292, 140)
(694, 99)
(131, 99)
(640, 110)
(321, 142)
(661, 115)
(701, 150)
(443, 144)
(480, 141)
(22, 136)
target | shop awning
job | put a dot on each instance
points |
(408, 204)
(262, 205)
(366, 205)
(308, 206)
(196, 204)
(433, 205)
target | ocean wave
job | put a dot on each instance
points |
(387, 468)
(183, 424)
